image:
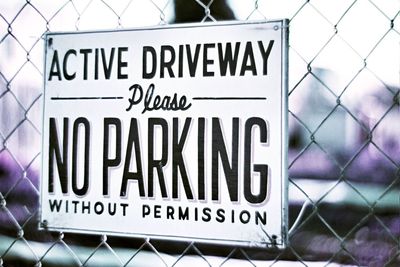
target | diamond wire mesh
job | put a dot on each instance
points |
(344, 149)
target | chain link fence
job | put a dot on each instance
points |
(344, 154)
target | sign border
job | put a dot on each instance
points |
(284, 25)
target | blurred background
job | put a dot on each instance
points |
(344, 124)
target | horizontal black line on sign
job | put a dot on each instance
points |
(88, 98)
(229, 98)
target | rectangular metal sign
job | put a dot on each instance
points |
(174, 132)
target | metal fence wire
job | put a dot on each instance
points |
(344, 154)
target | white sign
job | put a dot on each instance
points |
(170, 132)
